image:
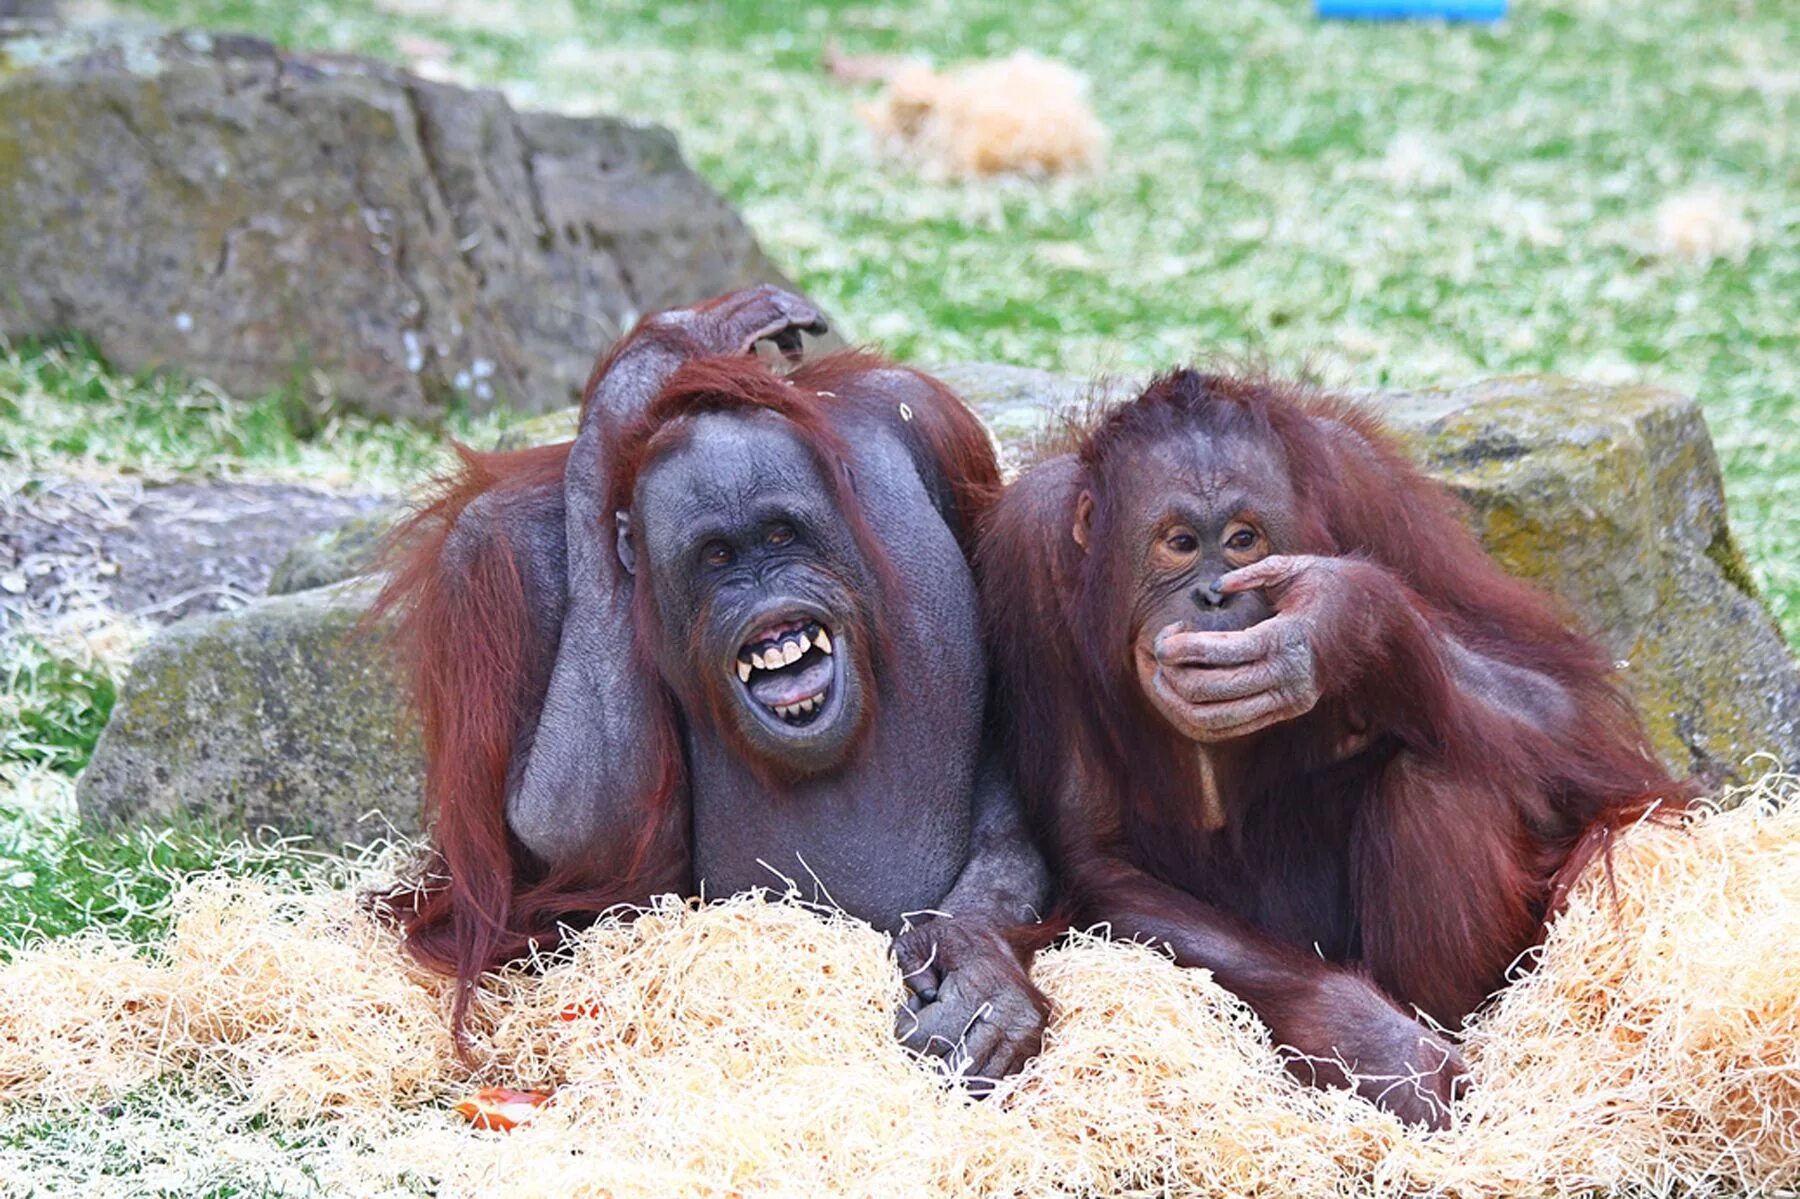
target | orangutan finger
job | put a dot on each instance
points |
(1211, 685)
(944, 1025)
(984, 1043)
(782, 321)
(907, 1025)
(1274, 571)
(1215, 722)
(1240, 717)
(920, 966)
(1215, 649)
(1008, 1056)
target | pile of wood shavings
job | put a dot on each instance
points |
(279, 1039)
(1024, 115)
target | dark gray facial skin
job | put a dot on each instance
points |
(740, 536)
(749, 559)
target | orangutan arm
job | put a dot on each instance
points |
(589, 758)
(1323, 1017)
(970, 998)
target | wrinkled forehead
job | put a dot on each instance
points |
(728, 472)
(1213, 468)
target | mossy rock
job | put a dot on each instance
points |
(1020, 406)
(283, 714)
(334, 226)
(349, 551)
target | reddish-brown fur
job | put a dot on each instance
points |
(463, 640)
(1477, 819)
(464, 632)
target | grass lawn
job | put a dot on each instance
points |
(1404, 204)
(1389, 203)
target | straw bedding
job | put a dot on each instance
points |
(279, 1039)
(1020, 115)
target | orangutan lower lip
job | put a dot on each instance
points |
(787, 668)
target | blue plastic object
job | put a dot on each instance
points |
(1411, 10)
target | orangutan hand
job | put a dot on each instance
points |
(969, 1002)
(1393, 1060)
(1216, 686)
(735, 322)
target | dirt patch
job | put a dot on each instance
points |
(84, 553)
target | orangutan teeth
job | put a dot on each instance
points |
(791, 646)
(812, 703)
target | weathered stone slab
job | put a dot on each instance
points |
(334, 555)
(1610, 497)
(335, 225)
(281, 714)
(1019, 404)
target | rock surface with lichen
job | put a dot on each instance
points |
(283, 714)
(353, 548)
(333, 225)
(1610, 497)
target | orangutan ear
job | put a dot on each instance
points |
(1084, 518)
(627, 553)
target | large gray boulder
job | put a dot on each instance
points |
(1610, 497)
(283, 714)
(334, 225)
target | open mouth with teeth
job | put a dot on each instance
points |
(789, 669)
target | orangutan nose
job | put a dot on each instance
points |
(1210, 596)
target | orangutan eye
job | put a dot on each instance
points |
(780, 535)
(1183, 543)
(717, 553)
(1243, 539)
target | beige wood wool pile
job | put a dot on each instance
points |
(1021, 115)
(279, 1039)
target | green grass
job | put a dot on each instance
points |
(1403, 204)
(55, 879)
(52, 707)
(63, 410)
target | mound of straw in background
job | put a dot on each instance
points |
(1024, 114)
(279, 1038)
(1703, 224)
